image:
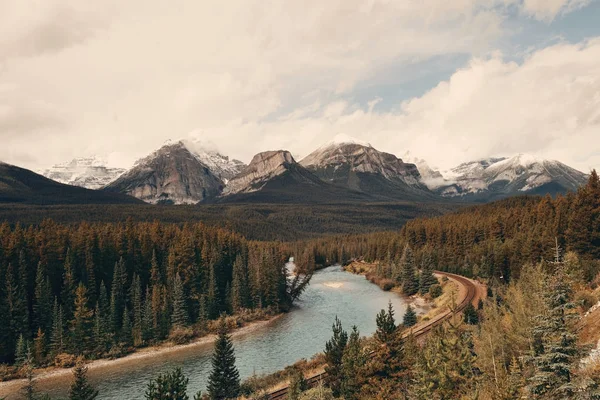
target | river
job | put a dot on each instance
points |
(285, 340)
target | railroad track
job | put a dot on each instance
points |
(418, 332)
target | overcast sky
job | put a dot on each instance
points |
(449, 81)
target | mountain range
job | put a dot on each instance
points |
(187, 172)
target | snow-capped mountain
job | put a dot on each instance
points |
(429, 176)
(220, 165)
(172, 174)
(90, 173)
(501, 177)
(359, 166)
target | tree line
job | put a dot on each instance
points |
(102, 289)
(492, 241)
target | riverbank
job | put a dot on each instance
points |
(10, 389)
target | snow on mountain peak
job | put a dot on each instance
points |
(342, 138)
(89, 172)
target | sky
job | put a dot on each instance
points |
(446, 81)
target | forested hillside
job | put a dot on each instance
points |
(101, 289)
(490, 241)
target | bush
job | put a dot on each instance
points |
(181, 335)
(386, 284)
(117, 351)
(65, 360)
(435, 291)
(8, 372)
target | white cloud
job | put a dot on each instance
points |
(548, 105)
(123, 77)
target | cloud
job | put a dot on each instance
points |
(548, 105)
(120, 78)
(547, 10)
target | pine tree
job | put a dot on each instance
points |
(353, 363)
(137, 310)
(117, 296)
(57, 338)
(148, 318)
(410, 280)
(410, 317)
(240, 292)
(213, 301)
(386, 325)
(426, 279)
(557, 344)
(39, 347)
(179, 316)
(224, 380)
(81, 323)
(17, 306)
(43, 299)
(81, 388)
(126, 336)
(170, 386)
(21, 350)
(334, 352)
(470, 315)
(29, 389)
(67, 294)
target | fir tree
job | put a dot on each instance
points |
(240, 292)
(426, 279)
(557, 344)
(126, 336)
(39, 347)
(170, 386)
(386, 325)
(410, 280)
(117, 295)
(67, 294)
(57, 338)
(137, 310)
(334, 352)
(81, 388)
(224, 380)
(43, 299)
(29, 389)
(81, 323)
(21, 351)
(353, 363)
(470, 315)
(410, 317)
(179, 315)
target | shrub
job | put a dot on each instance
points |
(386, 284)
(65, 360)
(435, 291)
(181, 335)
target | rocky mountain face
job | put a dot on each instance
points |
(501, 177)
(361, 167)
(90, 173)
(19, 185)
(263, 167)
(171, 174)
(275, 176)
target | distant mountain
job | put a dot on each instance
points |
(172, 174)
(492, 178)
(90, 173)
(19, 185)
(276, 177)
(220, 165)
(360, 167)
